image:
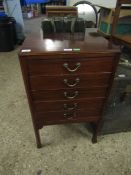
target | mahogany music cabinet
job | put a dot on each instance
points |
(67, 80)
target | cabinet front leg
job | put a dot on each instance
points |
(38, 140)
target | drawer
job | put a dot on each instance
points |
(69, 66)
(44, 106)
(63, 116)
(55, 82)
(63, 94)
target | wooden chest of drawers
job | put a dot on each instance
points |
(67, 85)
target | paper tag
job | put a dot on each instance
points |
(67, 49)
(25, 50)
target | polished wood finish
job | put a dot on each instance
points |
(37, 83)
(120, 39)
(56, 67)
(91, 92)
(67, 86)
(45, 106)
(40, 47)
(77, 115)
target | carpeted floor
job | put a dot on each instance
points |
(67, 148)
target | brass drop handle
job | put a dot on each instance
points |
(69, 115)
(72, 70)
(71, 97)
(68, 108)
(77, 80)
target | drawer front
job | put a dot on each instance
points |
(69, 94)
(54, 82)
(71, 66)
(77, 115)
(44, 106)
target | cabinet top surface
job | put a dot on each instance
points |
(90, 42)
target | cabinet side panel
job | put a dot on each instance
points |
(24, 70)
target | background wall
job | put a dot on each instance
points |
(103, 2)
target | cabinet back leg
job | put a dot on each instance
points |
(94, 137)
(96, 129)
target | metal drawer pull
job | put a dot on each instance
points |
(68, 108)
(71, 97)
(77, 80)
(69, 115)
(72, 70)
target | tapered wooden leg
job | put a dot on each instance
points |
(38, 140)
(96, 129)
(94, 137)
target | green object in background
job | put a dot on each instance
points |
(121, 28)
(104, 27)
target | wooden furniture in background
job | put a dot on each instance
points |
(121, 39)
(56, 11)
(67, 81)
